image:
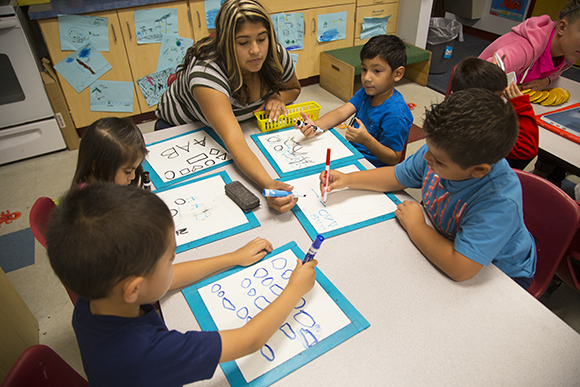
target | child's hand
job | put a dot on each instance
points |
(536, 85)
(303, 277)
(512, 91)
(253, 251)
(410, 214)
(306, 130)
(336, 180)
(285, 203)
(357, 135)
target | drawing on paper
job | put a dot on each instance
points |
(83, 67)
(212, 8)
(292, 154)
(172, 51)
(320, 321)
(344, 210)
(152, 24)
(289, 29)
(184, 156)
(112, 96)
(202, 212)
(152, 86)
(331, 27)
(76, 30)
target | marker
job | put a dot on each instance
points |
(352, 121)
(313, 249)
(316, 129)
(327, 176)
(146, 181)
(277, 193)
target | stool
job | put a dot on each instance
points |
(339, 69)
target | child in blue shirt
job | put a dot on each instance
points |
(114, 246)
(383, 119)
(471, 195)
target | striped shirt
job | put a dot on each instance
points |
(177, 105)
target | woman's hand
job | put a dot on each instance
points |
(275, 106)
(536, 85)
(284, 203)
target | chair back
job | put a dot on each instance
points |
(569, 269)
(39, 216)
(552, 217)
(449, 89)
(40, 366)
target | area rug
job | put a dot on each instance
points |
(16, 250)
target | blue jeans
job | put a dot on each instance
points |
(162, 124)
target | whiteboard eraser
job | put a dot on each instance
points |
(246, 200)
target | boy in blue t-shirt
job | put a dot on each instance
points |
(383, 119)
(114, 246)
(471, 195)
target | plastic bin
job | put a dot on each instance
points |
(442, 34)
(312, 110)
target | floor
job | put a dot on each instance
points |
(50, 175)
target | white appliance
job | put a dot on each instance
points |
(27, 124)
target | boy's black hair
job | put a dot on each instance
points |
(104, 233)
(473, 72)
(390, 48)
(473, 126)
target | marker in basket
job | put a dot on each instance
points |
(313, 249)
(277, 193)
(316, 129)
(326, 175)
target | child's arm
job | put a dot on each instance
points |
(327, 121)
(252, 336)
(361, 136)
(186, 273)
(379, 179)
(438, 249)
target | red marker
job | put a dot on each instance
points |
(327, 177)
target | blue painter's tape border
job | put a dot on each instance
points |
(308, 170)
(311, 231)
(156, 178)
(357, 324)
(252, 220)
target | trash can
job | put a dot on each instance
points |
(442, 34)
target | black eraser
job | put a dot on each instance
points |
(246, 200)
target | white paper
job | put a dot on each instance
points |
(233, 300)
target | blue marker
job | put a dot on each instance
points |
(313, 249)
(277, 193)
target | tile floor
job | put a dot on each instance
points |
(50, 175)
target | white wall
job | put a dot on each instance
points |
(488, 22)
(413, 22)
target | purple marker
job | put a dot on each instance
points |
(313, 249)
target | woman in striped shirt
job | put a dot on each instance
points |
(225, 78)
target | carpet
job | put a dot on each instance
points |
(16, 250)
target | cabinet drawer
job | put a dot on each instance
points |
(382, 10)
(362, 3)
(276, 6)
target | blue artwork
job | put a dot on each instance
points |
(510, 9)
(212, 8)
(373, 26)
(76, 30)
(112, 96)
(331, 26)
(172, 51)
(152, 24)
(294, 57)
(321, 320)
(154, 85)
(289, 29)
(83, 67)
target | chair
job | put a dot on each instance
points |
(552, 217)
(39, 216)
(569, 269)
(40, 366)
(450, 80)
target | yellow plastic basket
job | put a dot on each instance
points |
(312, 110)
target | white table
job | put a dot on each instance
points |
(426, 329)
(553, 143)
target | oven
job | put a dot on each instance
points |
(27, 123)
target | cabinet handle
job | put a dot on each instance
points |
(378, 12)
(129, 29)
(198, 19)
(335, 68)
(378, 1)
(189, 15)
(114, 34)
(313, 25)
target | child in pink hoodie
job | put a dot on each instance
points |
(539, 49)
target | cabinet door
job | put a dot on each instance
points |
(198, 20)
(80, 103)
(381, 10)
(316, 47)
(143, 57)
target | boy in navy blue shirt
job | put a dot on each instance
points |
(383, 119)
(114, 246)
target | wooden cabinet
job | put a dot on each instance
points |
(198, 20)
(379, 9)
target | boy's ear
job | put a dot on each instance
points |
(399, 73)
(480, 170)
(130, 289)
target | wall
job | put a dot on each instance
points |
(488, 22)
(413, 28)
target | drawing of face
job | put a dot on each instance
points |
(378, 79)
(251, 43)
(442, 165)
(156, 284)
(126, 173)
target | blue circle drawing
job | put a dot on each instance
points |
(279, 263)
(261, 273)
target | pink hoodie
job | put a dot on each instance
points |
(524, 45)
